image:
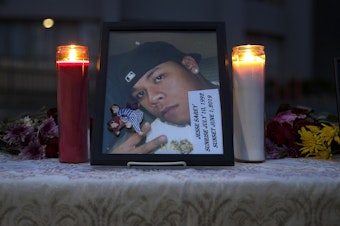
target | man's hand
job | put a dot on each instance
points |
(129, 146)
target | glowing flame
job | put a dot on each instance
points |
(72, 55)
(248, 56)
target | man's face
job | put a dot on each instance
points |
(163, 91)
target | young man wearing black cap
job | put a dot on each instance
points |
(158, 76)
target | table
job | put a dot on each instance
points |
(276, 192)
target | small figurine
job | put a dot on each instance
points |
(116, 124)
(125, 116)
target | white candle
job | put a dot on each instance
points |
(248, 63)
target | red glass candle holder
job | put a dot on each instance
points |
(72, 63)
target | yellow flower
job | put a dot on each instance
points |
(327, 154)
(337, 139)
(313, 129)
(310, 142)
(329, 133)
(313, 143)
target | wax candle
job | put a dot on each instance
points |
(248, 63)
(72, 68)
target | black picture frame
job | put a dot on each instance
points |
(207, 38)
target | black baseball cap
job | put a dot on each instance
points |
(131, 66)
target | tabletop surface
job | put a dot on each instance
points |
(277, 192)
(270, 170)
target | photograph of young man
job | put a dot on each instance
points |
(158, 77)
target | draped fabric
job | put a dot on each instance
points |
(277, 192)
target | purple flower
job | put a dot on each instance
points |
(285, 116)
(273, 151)
(48, 128)
(18, 134)
(34, 150)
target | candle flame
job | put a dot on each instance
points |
(248, 53)
(252, 56)
(72, 55)
(248, 56)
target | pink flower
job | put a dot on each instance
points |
(18, 134)
(34, 150)
(32, 137)
(48, 128)
(282, 137)
(285, 116)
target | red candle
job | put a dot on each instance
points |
(72, 67)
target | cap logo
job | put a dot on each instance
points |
(130, 76)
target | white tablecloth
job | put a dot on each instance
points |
(277, 192)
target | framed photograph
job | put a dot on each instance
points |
(163, 95)
(337, 83)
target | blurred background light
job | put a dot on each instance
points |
(48, 23)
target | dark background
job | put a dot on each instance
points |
(301, 39)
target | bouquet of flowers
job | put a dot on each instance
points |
(298, 132)
(32, 136)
